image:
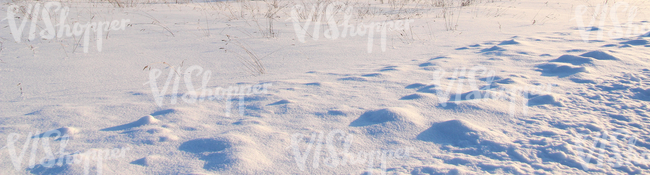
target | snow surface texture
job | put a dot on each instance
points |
(412, 109)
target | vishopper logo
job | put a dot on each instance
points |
(30, 13)
(332, 31)
(203, 93)
(614, 149)
(463, 79)
(334, 141)
(600, 14)
(56, 159)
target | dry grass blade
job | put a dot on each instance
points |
(117, 3)
(63, 47)
(251, 61)
(158, 23)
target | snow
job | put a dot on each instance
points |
(204, 87)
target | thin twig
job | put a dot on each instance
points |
(63, 47)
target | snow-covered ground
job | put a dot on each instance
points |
(250, 87)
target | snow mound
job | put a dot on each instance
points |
(393, 114)
(493, 48)
(501, 82)
(415, 86)
(249, 122)
(68, 130)
(374, 75)
(558, 69)
(205, 145)
(509, 42)
(646, 35)
(637, 42)
(313, 84)
(140, 122)
(164, 112)
(281, 102)
(147, 120)
(150, 160)
(230, 151)
(575, 60)
(599, 55)
(413, 97)
(544, 100)
(428, 89)
(59, 133)
(149, 135)
(426, 64)
(389, 68)
(488, 105)
(507, 81)
(461, 133)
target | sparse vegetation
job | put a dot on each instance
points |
(265, 15)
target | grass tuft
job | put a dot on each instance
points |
(251, 61)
